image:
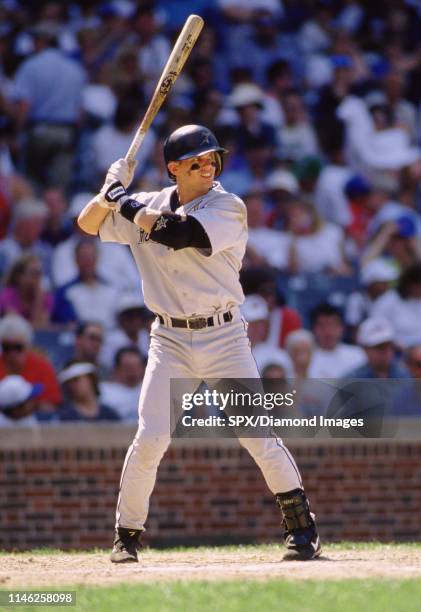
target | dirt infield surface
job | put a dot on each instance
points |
(19, 570)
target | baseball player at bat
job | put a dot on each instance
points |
(188, 241)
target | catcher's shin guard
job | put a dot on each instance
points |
(126, 545)
(301, 537)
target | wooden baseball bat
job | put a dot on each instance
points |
(181, 51)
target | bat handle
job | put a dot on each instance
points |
(130, 156)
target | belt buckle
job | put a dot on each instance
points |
(198, 323)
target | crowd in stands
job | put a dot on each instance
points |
(319, 106)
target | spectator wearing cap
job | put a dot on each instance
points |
(376, 279)
(122, 391)
(18, 357)
(17, 406)
(132, 329)
(311, 396)
(282, 187)
(315, 245)
(376, 337)
(332, 358)
(300, 346)
(81, 390)
(358, 191)
(247, 100)
(24, 292)
(256, 312)
(401, 307)
(297, 136)
(28, 222)
(282, 318)
(395, 231)
(48, 92)
(115, 264)
(88, 294)
(265, 246)
(334, 82)
(307, 171)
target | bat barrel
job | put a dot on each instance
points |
(181, 51)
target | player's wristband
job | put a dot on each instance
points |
(130, 209)
(127, 207)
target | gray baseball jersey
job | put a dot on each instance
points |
(181, 284)
(188, 282)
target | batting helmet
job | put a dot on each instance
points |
(191, 141)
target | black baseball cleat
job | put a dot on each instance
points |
(126, 544)
(302, 544)
(301, 537)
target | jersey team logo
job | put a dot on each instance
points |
(142, 237)
(161, 224)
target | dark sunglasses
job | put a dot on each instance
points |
(8, 347)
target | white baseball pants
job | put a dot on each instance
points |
(209, 353)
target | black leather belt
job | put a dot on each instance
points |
(197, 322)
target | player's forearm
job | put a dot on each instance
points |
(92, 216)
(170, 229)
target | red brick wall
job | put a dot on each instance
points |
(61, 491)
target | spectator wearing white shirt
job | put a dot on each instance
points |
(256, 312)
(115, 264)
(112, 140)
(329, 196)
(28, 222)
(265, 246)
(87, 297)
(89, 336)
(123, 390)
(376, 278)
(316, 246)
(402, 307)
(48, 91)
(282, 187)
(153, 48)
(376, 336)
(332, 358)
(132, 329)
(297, 136)
(300, 347)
